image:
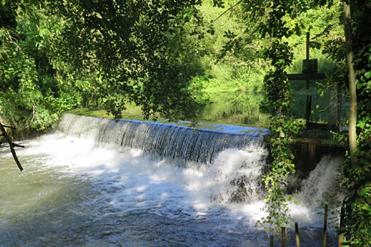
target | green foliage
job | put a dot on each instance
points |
(276, 84)
(233, 94)
(149, 60)
(278, 28)
(275, 181)
(358, 175)
(276, 102)
(32, 94)
(233, 71)
(58, 55)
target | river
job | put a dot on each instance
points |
(77, 190)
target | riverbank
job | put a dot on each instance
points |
(134, 112)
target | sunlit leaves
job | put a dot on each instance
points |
(131, 45)
(358, 174)
(218, 3)
(33, 78)
(276, 102)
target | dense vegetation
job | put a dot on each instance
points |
(216, 85)
(35, 87)
(357, 169)
(196, 60)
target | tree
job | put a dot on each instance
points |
(129, 45)
(36, 85)
(56, 55)
(357, 218)
(352, 81)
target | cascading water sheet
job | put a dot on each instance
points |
(164, 140)
(91, 184)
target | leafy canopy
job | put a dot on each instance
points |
(130, 45)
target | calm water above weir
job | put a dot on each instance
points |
(79, 189)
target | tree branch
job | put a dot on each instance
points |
(11, 146)
(8, 126)
(227, 10)
(17, 145)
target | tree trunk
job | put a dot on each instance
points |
(351, 80)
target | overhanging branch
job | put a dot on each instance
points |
(11, 145)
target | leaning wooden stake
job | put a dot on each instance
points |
(283, 236)
(341, 228)
(11, 146)
(271, 242)
(324, 240)
(297, 236)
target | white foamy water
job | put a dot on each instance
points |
(323, 182)
(147, 182)
(77, 190)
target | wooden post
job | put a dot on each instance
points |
(297, 236)
(307, 45)
(339, 104)
(283, 236)
(312, 148)
(271, 242)
(308, 107)
(324, 240)
(341, 228)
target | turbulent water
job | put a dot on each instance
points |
(121, 183)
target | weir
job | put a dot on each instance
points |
(165, 140)
(106, 172)
(239, 168)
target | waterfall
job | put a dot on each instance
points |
(323, 183)
(118, 180)
(236, 157)
(165, 140)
